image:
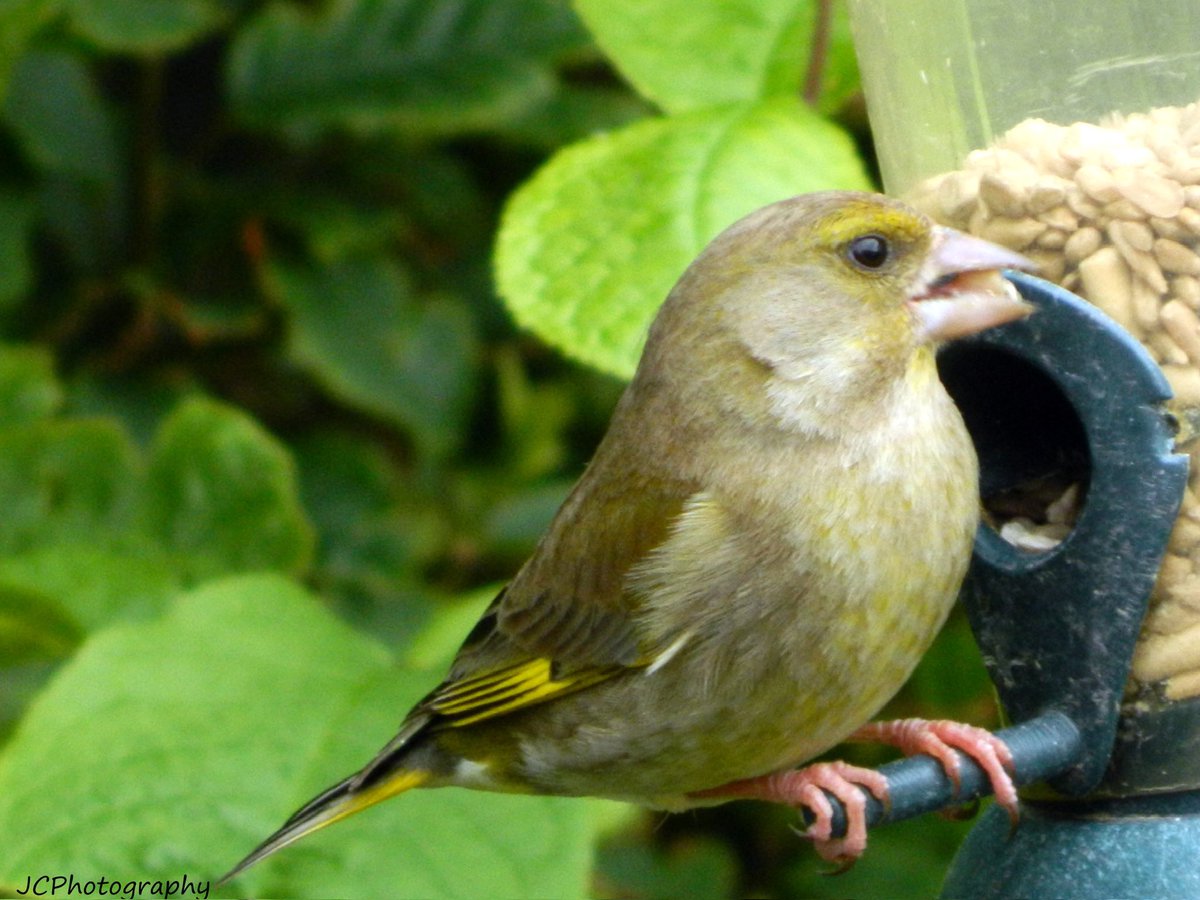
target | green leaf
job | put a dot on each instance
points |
(574, 112)
(698, 868)
(184, 741)
(908, 860)
(437, 642)
(144, 26)
(344, 479)
(223, 494)
(76, 588)
(377, 534)
(66, 481)
(434, 66)
(60, 119)
(33, 627)
(20, 20)
(590, 246)
(18, 687)
(371, 524)
(953, 680)
(516, 522)
(69, 131)
(139, 404)
(16, 269)
(28, 389)
(357, 326)
(686, 54)
(96, 586)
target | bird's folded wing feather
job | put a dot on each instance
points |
(568, 620)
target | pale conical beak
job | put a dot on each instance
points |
(961, 291)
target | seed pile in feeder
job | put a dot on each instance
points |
(1112, 212)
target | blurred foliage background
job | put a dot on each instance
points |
(270, 438)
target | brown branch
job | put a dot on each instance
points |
(145, 185)
(820, 49)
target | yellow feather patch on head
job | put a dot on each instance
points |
(858, 217)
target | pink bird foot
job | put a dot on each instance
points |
(939, 738)
(806, 787)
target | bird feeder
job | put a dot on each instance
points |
(1074, 138)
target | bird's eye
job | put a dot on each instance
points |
(869, 251)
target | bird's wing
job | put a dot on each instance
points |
(568, 620)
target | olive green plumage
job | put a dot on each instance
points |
(766, 541)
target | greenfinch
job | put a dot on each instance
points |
(769, 536)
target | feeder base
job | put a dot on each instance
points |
(1144, 848)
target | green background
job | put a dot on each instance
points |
(310, 314)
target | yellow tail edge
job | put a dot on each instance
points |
(331, 806)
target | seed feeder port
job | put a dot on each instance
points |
(1063, 395)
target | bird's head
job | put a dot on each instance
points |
(827, 299)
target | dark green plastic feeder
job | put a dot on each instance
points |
(1066, 393)
(1067, 396)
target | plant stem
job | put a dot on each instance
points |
(145, 188)
(820, 48)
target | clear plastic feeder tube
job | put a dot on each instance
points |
(945, 77)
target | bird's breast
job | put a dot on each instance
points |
(886, 538)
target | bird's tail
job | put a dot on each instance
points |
(343, 799)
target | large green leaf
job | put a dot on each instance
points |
(186, 740)
(144, 26)
(357, 325)
(61, 121)
(591, 245)
(66, 481)
(222, 493)
(28, 389)
(685, 54)
(95, 585)
(69, 132)
(81, 526)
(574, 112)
(33, 627)
(421, 65)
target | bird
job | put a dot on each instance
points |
(766, 541)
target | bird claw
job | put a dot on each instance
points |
(939, 739)
(962, 812)
(806, 787)
(829, 852)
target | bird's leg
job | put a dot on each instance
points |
(806, 787)
(939, 739)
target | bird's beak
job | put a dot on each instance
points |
(961, 291)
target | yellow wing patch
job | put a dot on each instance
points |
(507, 690)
